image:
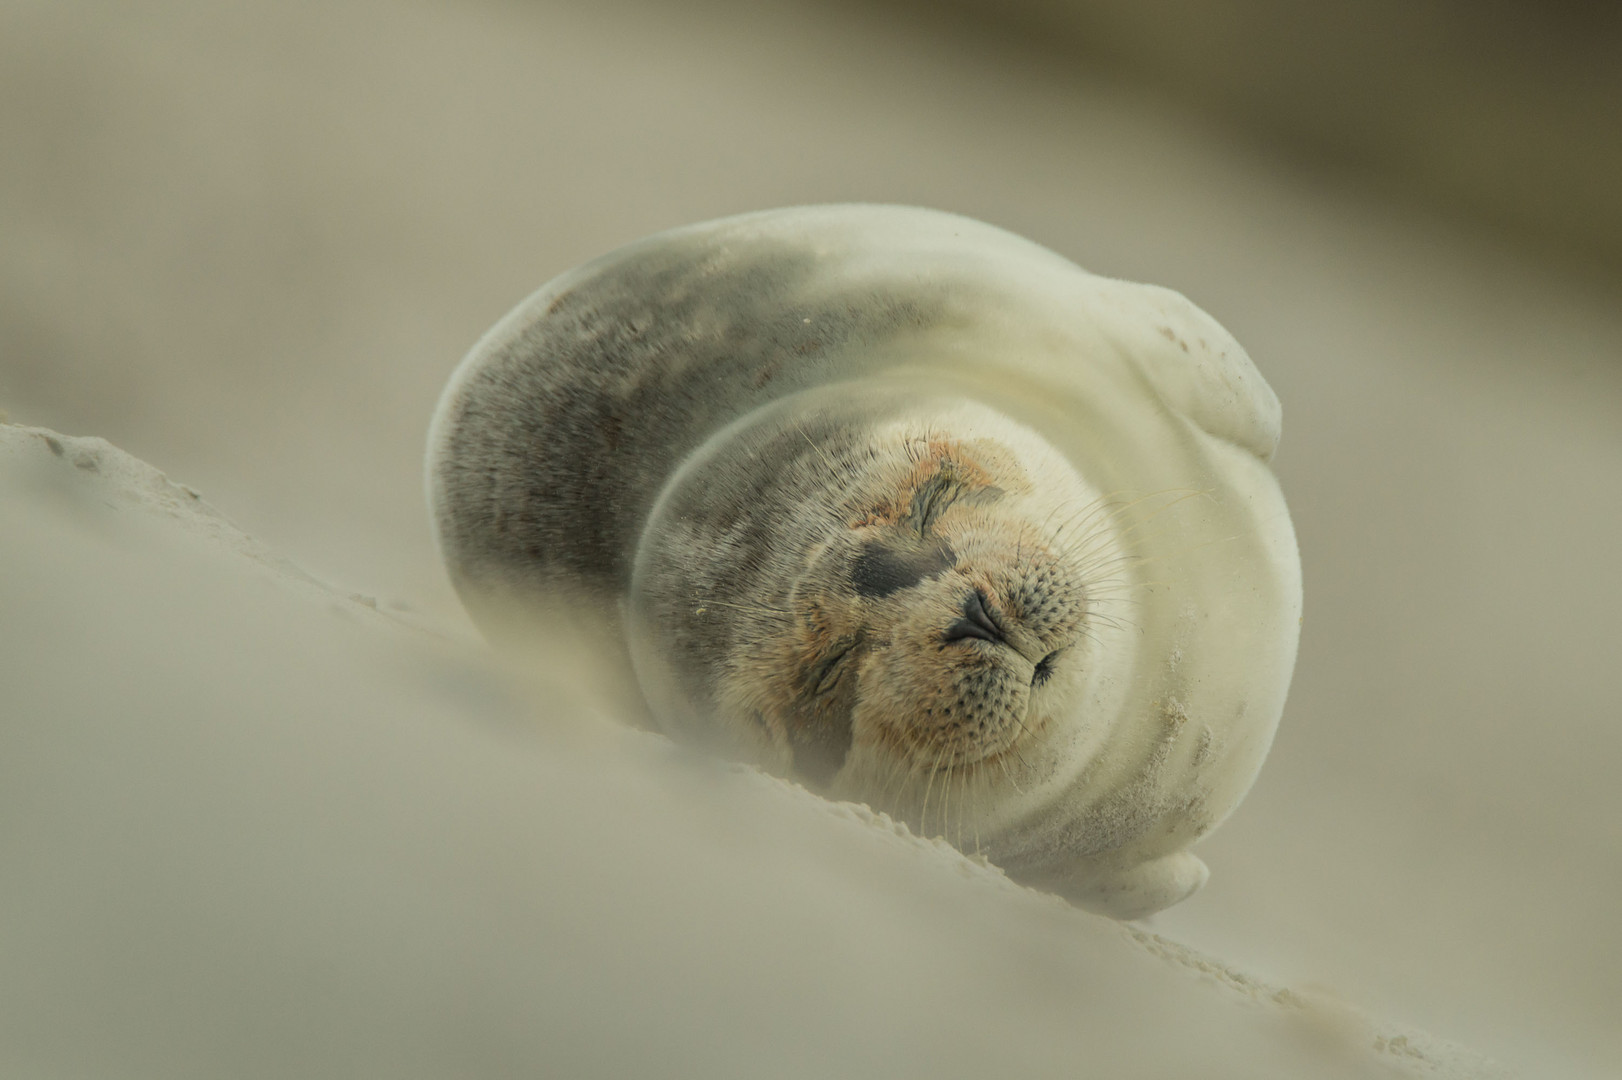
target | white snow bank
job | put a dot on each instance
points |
(255, 827)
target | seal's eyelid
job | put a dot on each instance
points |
(825, 675)
(932, 498)
(943, 491)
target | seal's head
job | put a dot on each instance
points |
(890, 602)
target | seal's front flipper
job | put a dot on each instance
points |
(1135, 891)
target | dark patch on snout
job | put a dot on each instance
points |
(882, 568)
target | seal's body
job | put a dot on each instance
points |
(905, 507)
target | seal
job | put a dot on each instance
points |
(906, 508)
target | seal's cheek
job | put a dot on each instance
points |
(894, 695)
(819, 718)
(940, 706)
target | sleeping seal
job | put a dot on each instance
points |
(904, 507)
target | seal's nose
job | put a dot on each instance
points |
(976, 622)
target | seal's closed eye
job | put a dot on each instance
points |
(819, 729)
(825, 674)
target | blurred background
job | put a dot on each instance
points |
(248, 242)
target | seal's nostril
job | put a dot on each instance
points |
(1044, 669)
(976, 622)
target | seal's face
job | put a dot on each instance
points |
(934, 627)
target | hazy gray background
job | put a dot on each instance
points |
(248, 242)
(1500, 113)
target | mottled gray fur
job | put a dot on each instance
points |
(556, 444)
